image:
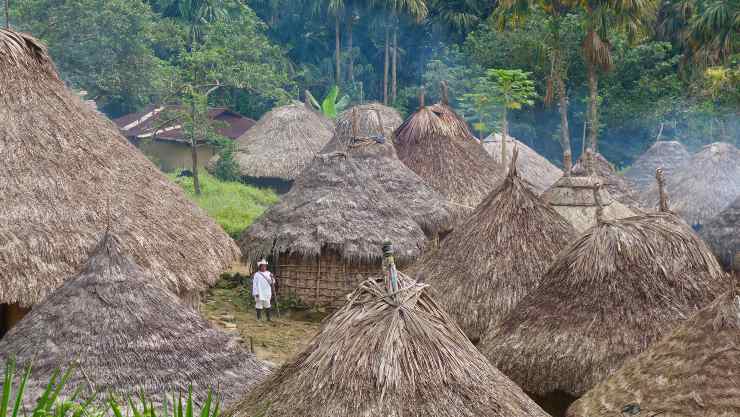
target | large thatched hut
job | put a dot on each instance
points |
(609, 295)
(388, 356)
(437, 144)
(67, 172)
(600, 167)
(125, 335)
(365, 132)
(693, 372)
(496, 256)
(282, 143)
(704, 186)
(533, 167)
(723, 234)
(667, 154)
(323, 233)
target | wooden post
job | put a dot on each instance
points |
(318, 282)
(444, 92)
(421, 97)
(597, 201)
(662, 195)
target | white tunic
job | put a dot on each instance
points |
(261, 285)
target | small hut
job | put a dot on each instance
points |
(437, 144)
(694, 372)
(667, 154)
(615, 184)
(275, 150)
(704, 186)
(125, 335)
(723, 234)
(615, 290)
(496, 256)
(366, 133)
(533, 167)
(67, 172)
(323, 232)
(387, 355)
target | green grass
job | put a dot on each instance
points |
(232, 204)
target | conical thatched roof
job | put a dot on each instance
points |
(497, 255)
(380, 358)
(609, 295)
(705, 185)
(437, 144)
(360, 139)
(573, 198)
(669, 155)
(334, 205)
(282, 142)
(616, 184)
(533, 167)
(67, 172)
(694, 372)
(126, 335)
(723, 233)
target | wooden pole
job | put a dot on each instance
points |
(421, 97)
(662, 195)
(597, 201)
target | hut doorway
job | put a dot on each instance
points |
(554, 403)
(10, 314)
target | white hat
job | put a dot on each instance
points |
(262, 262)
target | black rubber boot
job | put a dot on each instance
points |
(259, 314)
(268, 311)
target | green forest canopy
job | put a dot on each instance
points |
(671, 67)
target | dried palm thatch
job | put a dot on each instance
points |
(126, 335)
(437, 144)
(669, 155)
(67, 172)
(387, 358)
(282, 143)
(608, 296)
(723, 234)
(705, 185)
(616, 184)
(693, 372)
(533, 167)
(496, 256)
(365, 132)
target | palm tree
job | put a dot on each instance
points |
(713, 32)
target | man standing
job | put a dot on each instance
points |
(262, 289)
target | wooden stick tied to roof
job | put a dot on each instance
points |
(445, 92)
(662, 195)
(389, 267)
(589, 162)
(597, 201)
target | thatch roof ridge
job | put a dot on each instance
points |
(496, 255)
(722, 233)
(376, 357)
(67, 173)
(692, 372)
(125, 334)
(703, 186)
(606, 297)
(533, 167)
(335, 204)
(437, 144)
(667, 154)
(282, 142)
(360, 140)
(616, 184)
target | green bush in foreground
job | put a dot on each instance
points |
(233, 205)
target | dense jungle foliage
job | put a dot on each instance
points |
(625, 72)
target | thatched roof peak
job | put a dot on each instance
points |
(615, 183)
(606, 297)
(534, 168)
(139, 334)
(693, 372)
(376, 357)
(496, 255)
(669, 155)
(722, 232)
(64, 164)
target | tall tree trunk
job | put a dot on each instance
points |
(394, 72)
(337, 49)
(350, 55)
(193, 147)
(564, 128)
(385, 66)
(593, 104)
(504, 136)
(7, 14)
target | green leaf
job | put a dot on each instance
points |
(328, 106)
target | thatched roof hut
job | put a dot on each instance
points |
(496, 256)
(437, 144)
(282, 143)
(323, 233)
(366, 133)
(609, 295)
(704, 186)
(378, 357)
(67, 173)
(126, 335)
(693, 372)
(723, 234)
(615, 183)
(533, 167)
(666, 154)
